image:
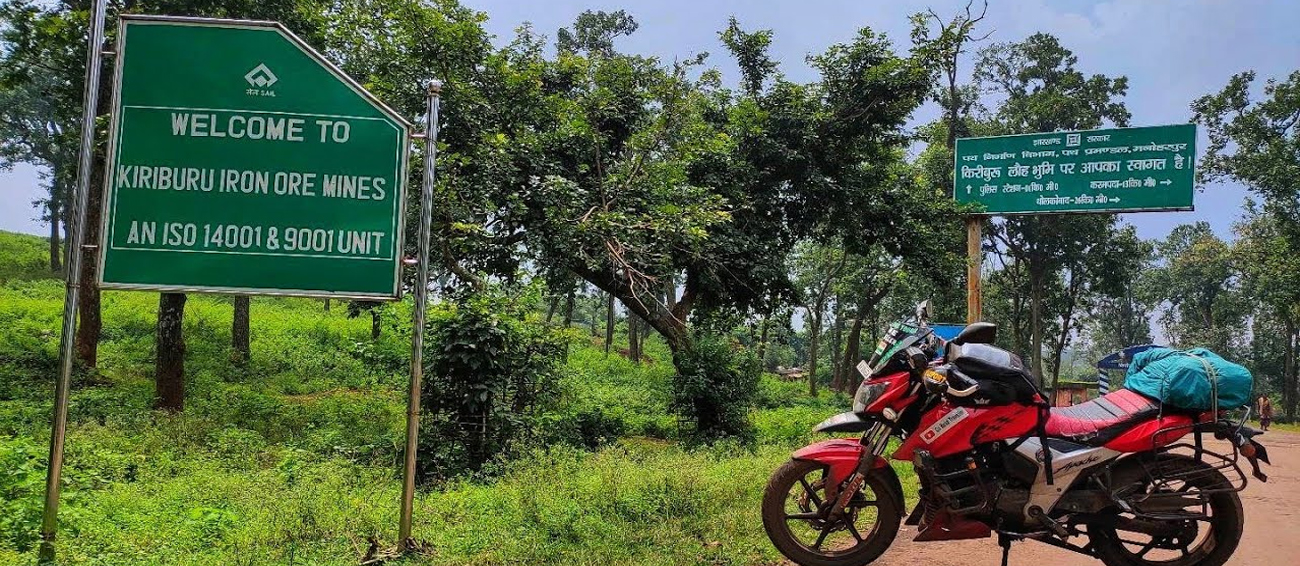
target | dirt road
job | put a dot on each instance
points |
(1272, 536)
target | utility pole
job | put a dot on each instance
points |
(974, 263)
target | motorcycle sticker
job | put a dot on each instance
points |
(947, 422)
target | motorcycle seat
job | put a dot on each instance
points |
(1100, 420)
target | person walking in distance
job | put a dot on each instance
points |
(1265, 408)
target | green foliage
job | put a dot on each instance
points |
(1254, 142)
(24, 257)
(1198, 279)
(634, 398)
(492, 369)
(22, 482)
(714, 388)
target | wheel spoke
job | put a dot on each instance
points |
(802, 516)
(1148, 547)
(812, 494)
(826, 530)
(852, 529)
(864, 504)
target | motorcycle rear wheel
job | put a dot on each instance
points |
(795, 518)
(1207, 538)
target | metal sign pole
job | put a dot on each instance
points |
(72, 292)
(421, 298)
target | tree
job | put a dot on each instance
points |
(1254, 142)
(816, 269)
(1121, 321)
(1270, 271)
(42, 52)
(1043, 91)
(31, 133)
(862, 285)
(1107, 268)
(645, 174)
(1198, 280)
(944, 50)
(42, 70)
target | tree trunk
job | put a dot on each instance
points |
(90, 323)
(568, 307)
(239, 341)
(836, 332)
(327, 305)
(1036, 324)
(814, 349)
(375, 319)
(763, 328)
(671, 324)
(56, 247)
(552, 305)
(66, 209)
(1067, 324)
(633, 339)
(609, 323)
(852, 353)
(670, 292)
(169, 385)
(1289, 385)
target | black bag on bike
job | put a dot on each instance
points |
(984, 375)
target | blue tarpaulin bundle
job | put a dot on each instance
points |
(1182, 378)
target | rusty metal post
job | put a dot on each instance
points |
(974, 263)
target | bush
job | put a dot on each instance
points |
(22, 481)
(715, 387)
(490, 372)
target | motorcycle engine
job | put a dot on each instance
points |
(990, 483)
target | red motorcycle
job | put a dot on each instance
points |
(992, 456)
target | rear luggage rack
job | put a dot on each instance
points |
(1163, 471)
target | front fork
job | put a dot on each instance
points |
(875, 439)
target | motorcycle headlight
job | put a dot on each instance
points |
(867, 393)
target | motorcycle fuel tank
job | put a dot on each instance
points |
(949, 429)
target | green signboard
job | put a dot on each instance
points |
(242, 161)
(1117, 170)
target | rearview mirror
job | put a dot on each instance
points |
(923, 310)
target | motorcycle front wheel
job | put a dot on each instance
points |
(796, 516)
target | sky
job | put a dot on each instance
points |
(1171, 51)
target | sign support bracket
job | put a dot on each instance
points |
(72, 277)
(421, 300)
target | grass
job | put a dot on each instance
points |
(1287, 427)
(24, 257)
(293, 458)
